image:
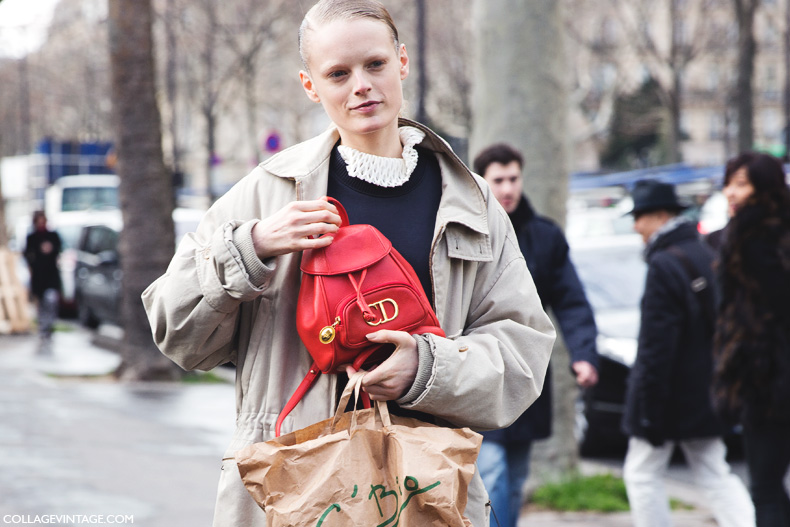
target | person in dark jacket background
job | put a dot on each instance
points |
(752, 345)
(504, 456)
(668, 397)
(42, 249)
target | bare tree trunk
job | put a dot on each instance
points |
(211, 147)
(787, 82)
(673, 154)
(520, 94)
(147, 241)
(171, 88)
(422, 78)
(209, 103)
(728, 139)
(747, 49)
(251, 103)
(26, 144)
(3, 226)
(521, 97)
(673, 130)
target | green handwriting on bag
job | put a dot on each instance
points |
(380, 493)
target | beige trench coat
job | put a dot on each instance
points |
(205, 311)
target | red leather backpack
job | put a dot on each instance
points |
(356, 285)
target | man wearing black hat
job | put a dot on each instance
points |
(668, 399)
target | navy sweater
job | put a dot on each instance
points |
(406, 214)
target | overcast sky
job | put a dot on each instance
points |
(23, 25)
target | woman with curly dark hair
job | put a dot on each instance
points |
(752, 344)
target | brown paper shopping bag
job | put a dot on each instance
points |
(363, 468)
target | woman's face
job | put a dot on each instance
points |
(738, 190)
(355, 72)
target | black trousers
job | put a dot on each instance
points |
(768, 457)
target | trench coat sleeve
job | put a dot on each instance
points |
(194, 308)
(662, 320)
(488, 374)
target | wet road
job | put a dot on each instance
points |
(71, 446)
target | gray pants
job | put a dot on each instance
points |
(47, 312)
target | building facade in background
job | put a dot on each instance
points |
(688, 50)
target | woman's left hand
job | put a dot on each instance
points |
(392, 378)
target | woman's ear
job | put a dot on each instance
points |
(307, 84)
(403, 57)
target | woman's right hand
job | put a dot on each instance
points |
(296, 227)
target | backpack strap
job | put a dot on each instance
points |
(699, 285)
(301, 390)
(340, 209)
(305, 385)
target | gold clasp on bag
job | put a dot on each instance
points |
(384, 316)
(327, 334)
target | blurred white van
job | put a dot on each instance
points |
(81, 193)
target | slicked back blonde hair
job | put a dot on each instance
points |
(329, 10)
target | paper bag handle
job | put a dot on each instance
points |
(355, 385)
(384, 412)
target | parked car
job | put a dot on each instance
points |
(599, 222)
(613, 273)
(98, 274)
(69, 226)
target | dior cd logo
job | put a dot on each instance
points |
(385, 316)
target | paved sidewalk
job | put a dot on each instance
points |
(620, 519)
(74, 445)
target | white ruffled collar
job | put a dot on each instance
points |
(385, 171)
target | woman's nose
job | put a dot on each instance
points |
(361, 84)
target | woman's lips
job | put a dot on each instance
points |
(366, 107)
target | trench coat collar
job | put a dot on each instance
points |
(462, 201)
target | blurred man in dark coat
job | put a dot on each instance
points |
(41, 253)
(668, 399)
(504, 456)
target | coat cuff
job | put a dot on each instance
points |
(424, 370)
(242, 239)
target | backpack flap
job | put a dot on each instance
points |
(355, 247)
